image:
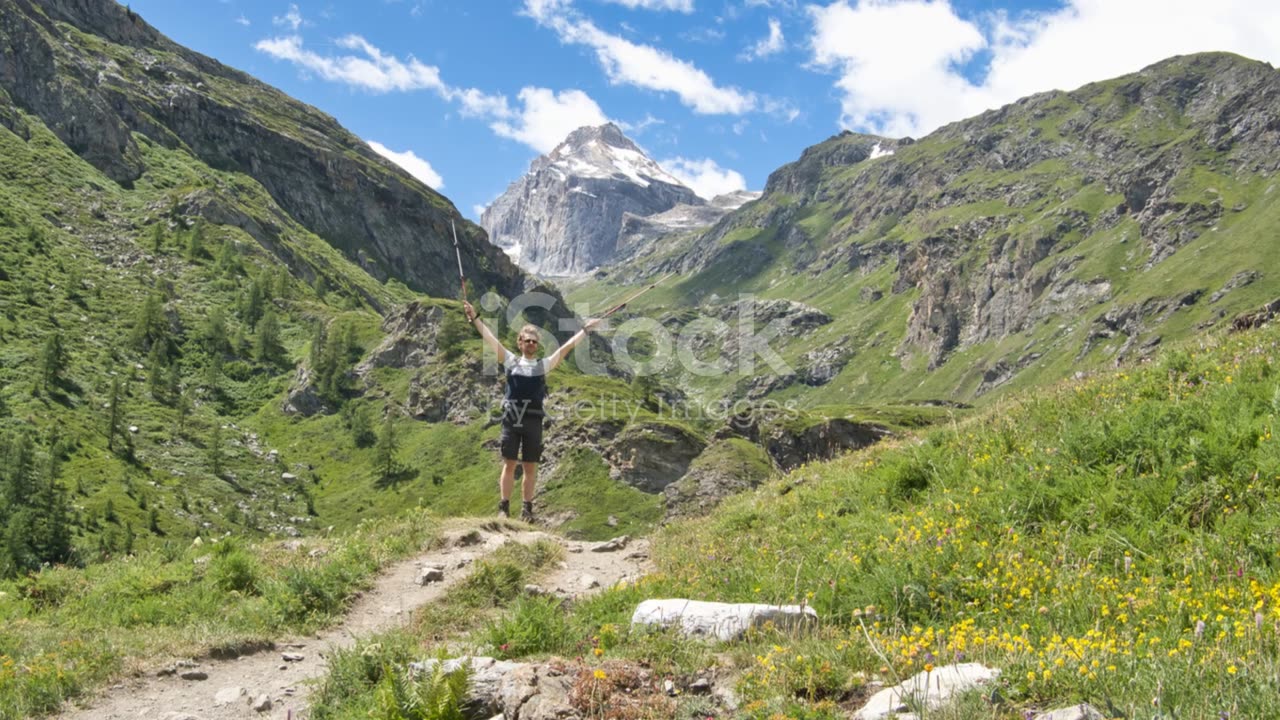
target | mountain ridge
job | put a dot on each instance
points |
(1065, 230)
(563, 217)
(122, 76)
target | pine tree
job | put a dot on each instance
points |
(157, 237)
(150, 327)
(356, 418)
(53, 360)
(266, 341)
(318, 340)
(18, 454)
(184, 406)
(213, 333)
(384, 455)
(228, 262)
(280, 285)
(158, 373)
(195, 242)
(252, 303)
(51, 536)
(115, 412)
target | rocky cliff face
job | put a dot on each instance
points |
(96, 74)
(639, 232)
(564, 216)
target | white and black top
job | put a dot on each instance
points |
(526, 383)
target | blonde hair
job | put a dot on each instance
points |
(530, 330)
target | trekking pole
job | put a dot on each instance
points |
(624, 303)
(456, 251)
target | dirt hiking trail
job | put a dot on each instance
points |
(283, 677)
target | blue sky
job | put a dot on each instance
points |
(464, 94)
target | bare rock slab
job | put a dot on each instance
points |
(228, 695)
(930, 690)
(721, 621)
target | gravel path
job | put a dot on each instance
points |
(230, 689)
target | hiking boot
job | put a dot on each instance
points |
(504, 508)
(526, 512)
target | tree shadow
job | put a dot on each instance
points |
(397, 477)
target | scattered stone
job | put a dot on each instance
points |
(575, 549)
(284, 667)
(261, 704)
(1083, 711)
(228, 695)
(292, 657)
(721, 621)
(133, 428)
(669, 687)
(588, 582)
(179, 716)
(613, 545)
(612, 521)
(701, 685)
(430, 574)
(166, 672)
(288, 477)
(535, 693)
(535, 590)
(194, 675)
(931, 690)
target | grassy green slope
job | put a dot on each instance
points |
(860, 257)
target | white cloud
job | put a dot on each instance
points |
(898, 87)
(242, 20)
(548, 117)
(637, 128)
(372, 71)
(705, 177)
(542, 122)
(643, 66)
(411, 163)
(769, 45)
(684, 6)
(292, 19)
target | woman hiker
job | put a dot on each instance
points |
(521, 438)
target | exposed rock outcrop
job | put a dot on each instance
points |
(564, 216)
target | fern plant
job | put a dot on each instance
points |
(435, 694)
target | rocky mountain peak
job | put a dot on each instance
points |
(564, 216)
(608, 134)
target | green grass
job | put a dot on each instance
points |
(67, 630)
(583, 486)
(1108, 539)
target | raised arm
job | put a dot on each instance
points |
(484, 331)
(563, 351)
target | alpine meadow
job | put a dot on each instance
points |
(977, 424)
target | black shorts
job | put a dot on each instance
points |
(523, 441)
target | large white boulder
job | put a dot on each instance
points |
(722, 621)
(925, 690)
